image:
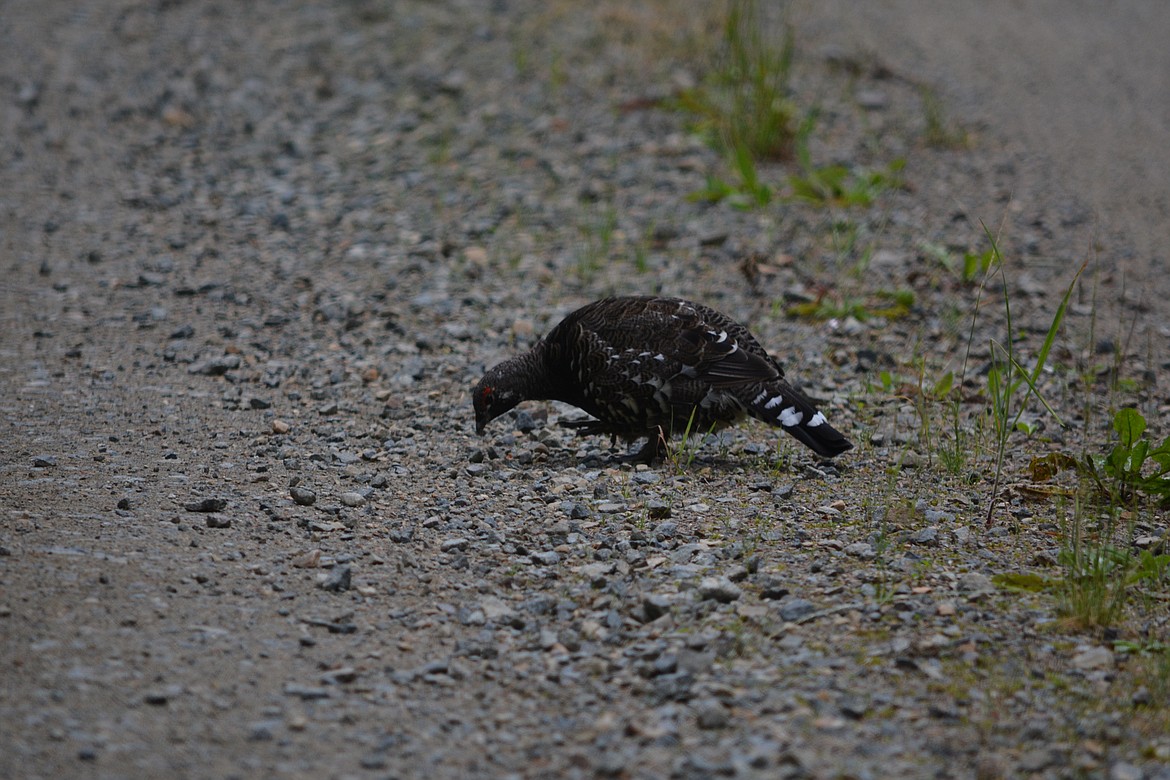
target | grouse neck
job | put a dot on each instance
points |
(530, 375)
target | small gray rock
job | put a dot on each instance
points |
(860, 550)
(352, 499)
(302, 495)
(576, 510)
(711, 714)
(654, 606)
(1037, 759)
(471, 617)
(339, 676)
(657, 510)
(216, 366)
(206, 505)
(974, 582)
(338, 580)
(373, 761)
(497, 610)
(596, 573)
(782, 493)
(772, 587)
(794, 609)
(872, 99)
(159, 697)
(667, 663)
(853, 708)
(1091, 657)
(666, 530)
(306, 692)
(525, 422)
(927, 536)
(737, 573)
(1124, 771)
(263, 730)
(719, 589)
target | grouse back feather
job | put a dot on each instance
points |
(651, 367)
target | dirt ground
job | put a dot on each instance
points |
(255, 255)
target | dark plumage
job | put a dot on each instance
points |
(653, 367)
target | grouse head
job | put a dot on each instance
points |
(495, 394)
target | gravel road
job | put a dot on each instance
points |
(1084, 84)
(255, 256)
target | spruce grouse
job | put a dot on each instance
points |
(652, 367)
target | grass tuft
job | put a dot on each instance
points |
(939, 132)
(1009, 383)
(751, 110)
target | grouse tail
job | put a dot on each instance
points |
(776, 403)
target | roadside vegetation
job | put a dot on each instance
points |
(1005, 417)
(985, 418)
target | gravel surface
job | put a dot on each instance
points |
(255, 256)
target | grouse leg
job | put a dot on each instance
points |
(590, 428)
(654, 449)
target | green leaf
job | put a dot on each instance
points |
(1130, 425)
(1141, 648)
(943, 385)
(1150, 567)
(1021, 582)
